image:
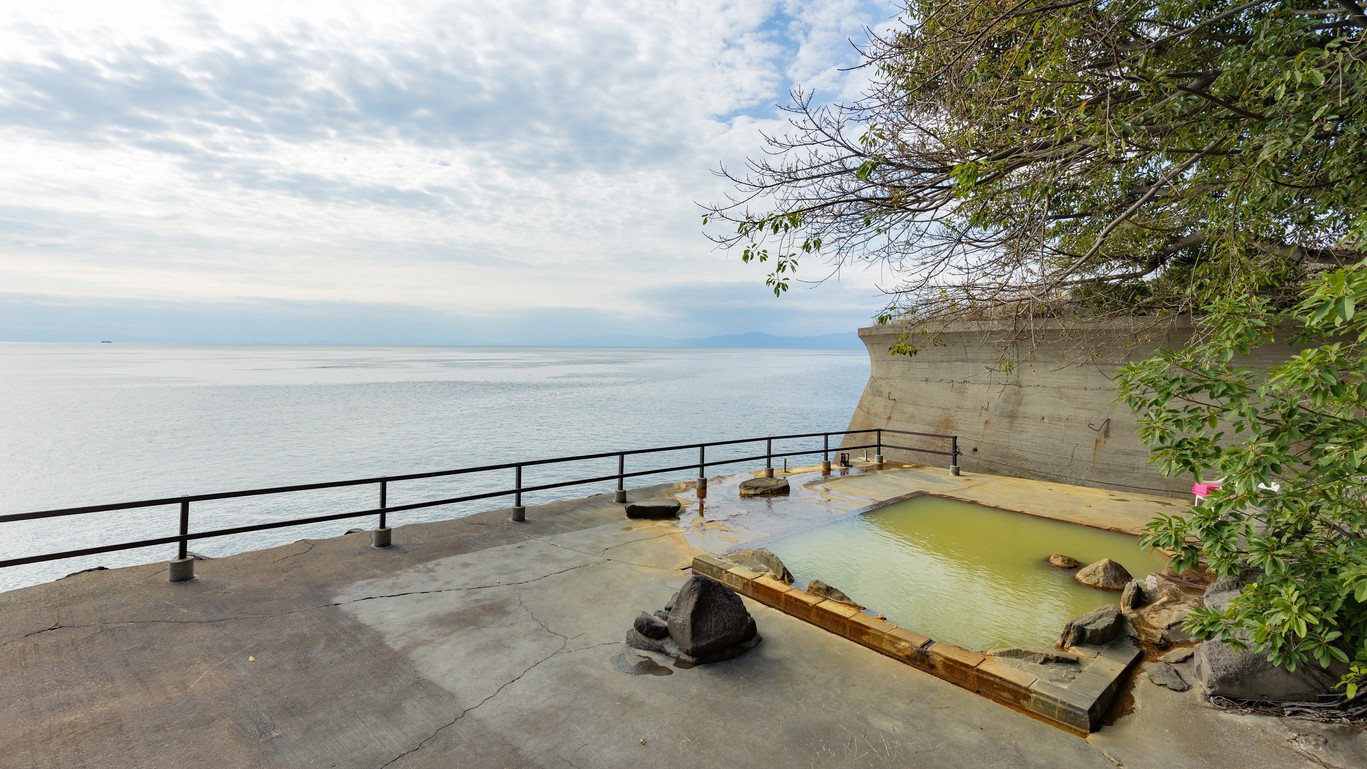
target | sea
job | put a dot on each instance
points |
(93, 424)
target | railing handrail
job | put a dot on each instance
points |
(185, 536)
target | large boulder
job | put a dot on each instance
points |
(1247, 675)
(1096, 628)
(708, 617)
(762, 560)
(1105, 574)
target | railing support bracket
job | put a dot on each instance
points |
(519, 514)
(381, 537)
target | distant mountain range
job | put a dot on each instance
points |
(848, 340)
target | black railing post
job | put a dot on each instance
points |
(183, 567)
(621, 493)
(954, 455)
(519, 512)
(382, 536)
(878, 452)
(825, 452)
(702, 470)
(768, 457)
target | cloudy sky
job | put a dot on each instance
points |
(464, 171)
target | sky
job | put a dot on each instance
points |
(401, 172)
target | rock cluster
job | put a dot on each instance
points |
(704, 622)
(1157, 608)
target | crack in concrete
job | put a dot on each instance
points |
(305, 551)
(564, 641)
(215, 620)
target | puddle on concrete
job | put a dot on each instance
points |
(635, 665)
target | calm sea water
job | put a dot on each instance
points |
(93, 424)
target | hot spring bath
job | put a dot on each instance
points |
(963, 573)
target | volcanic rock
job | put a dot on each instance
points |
(1094, 629)
(762, 559)
(764, 487)
(1105, 574)
(708, 618)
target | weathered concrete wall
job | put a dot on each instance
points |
(1051, 415)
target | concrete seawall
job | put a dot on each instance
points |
(1048, 413)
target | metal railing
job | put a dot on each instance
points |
(182, 567)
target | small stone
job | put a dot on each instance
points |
(764, 487)
(1094, 629)
(637, 641)
(650, 626)
(669, 605)
(820, 589)
(762, 559)
(1060, 561)
(656, 509)
(1105, 574)
(1166, 675)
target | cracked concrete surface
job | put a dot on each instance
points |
(482, 643)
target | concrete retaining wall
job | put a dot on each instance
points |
(1050, 414)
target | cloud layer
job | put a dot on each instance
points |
(476, 160)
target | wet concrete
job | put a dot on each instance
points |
(485, 643)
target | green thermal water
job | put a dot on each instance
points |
(958, 572)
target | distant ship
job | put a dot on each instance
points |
(105, 341)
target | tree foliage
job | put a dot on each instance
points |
(1038, 156)
(1019, 158)
(1290, 444)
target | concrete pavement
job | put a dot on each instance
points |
(483, 643)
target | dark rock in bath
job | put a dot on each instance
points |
(1166, 675)
(654, 509)
(764, 487)
(651, 626)
(1094, 629)
(1105, 574)
(1060, 561)
(831, 593)
(762, 559)
(708, 618)
(669, 605)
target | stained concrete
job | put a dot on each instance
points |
(1035, 402)
(485, 643)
